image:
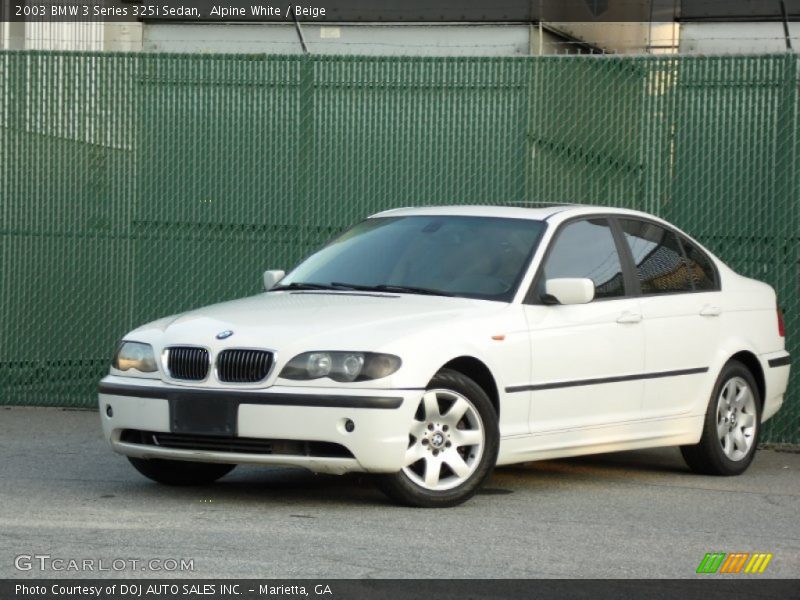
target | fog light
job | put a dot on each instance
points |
(109, 410)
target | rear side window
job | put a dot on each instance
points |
(586, 249)
(701, 271)
(658, 256)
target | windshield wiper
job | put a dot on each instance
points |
(302, 286)
(401, 289)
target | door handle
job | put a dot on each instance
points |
(711, 311)
(629, 317)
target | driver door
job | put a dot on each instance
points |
(586, 357)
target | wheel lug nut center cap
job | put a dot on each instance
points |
(437, 440)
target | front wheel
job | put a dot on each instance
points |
(732, 424)
(180, 472)
(452, 445)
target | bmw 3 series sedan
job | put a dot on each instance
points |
(425, 346)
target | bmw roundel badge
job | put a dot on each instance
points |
(223, 335)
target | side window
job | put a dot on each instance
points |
(657, 254)
(587, 249)
(700, 268)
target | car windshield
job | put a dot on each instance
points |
(473, 257)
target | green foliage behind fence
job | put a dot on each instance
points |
(135, 185)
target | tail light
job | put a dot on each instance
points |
(781, 326)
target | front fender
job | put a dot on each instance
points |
(508, 360)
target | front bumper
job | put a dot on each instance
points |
(377, 443)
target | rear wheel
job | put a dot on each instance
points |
(180, 472)
(452, 445)
(732, 425)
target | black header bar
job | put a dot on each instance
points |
(394, 11)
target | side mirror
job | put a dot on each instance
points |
(569, 290)
(271, 278)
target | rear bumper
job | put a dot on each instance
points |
(377, 443)
(776, 368)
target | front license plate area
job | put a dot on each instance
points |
(203, 416)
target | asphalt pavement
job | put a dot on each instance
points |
(66, 495)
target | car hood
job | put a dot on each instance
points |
(298, 321)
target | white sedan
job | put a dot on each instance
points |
(427, 345)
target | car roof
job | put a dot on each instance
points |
(536, 211)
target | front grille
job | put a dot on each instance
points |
(187, 362)
(241, 445)
(243, 366)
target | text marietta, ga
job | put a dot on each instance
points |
(143, 590)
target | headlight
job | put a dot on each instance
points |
(341, 366)
(135, 355)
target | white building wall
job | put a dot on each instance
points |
(62, 36)
(434, 39)
(80, 37)
(368, 39)
(737, 38)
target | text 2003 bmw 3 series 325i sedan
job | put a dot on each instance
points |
(427, 345)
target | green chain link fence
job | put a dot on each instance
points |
(139, 185)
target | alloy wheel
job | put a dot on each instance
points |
(446, 441)
(736, 418)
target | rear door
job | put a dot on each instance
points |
(680, 308)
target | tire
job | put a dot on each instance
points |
(453, 444)
(180, 472)
(732, 425)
